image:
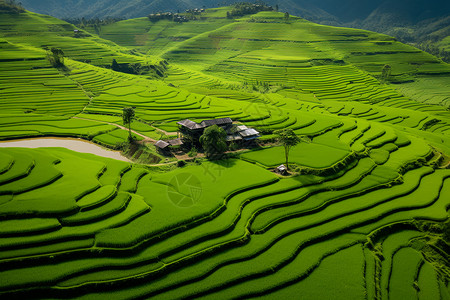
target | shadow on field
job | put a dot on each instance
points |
(224, 163)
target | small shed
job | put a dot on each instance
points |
(166, 145)
(162, 145)
(241, 128)
(175, 142)
(281, 170)
(249, 134)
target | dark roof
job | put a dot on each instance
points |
(206, 123)
(189, 124)
(175, 142)
(164, 144)
(161, 144)
(221, 121)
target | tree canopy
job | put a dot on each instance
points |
(288, 139)
(56, 57)
(128, 115)
(385, 73)
(214, 142)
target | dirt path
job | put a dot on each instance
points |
(165, 132)
(146, 138)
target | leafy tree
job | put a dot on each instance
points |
(245, 8)
(288, 139)
(386, 72)
(128, 115)
(56, 57)
(114, 65)
(162, 135)
(214, 141)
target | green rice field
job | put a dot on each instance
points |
(364, 213)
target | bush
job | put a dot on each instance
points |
(234, 146)
(193, 152)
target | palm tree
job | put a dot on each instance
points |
(288, 139)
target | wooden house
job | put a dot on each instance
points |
(191, 131)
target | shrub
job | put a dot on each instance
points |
(193, 152)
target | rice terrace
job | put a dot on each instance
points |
(262, 156)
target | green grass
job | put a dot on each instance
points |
(404, 269)
(336, 278)
(57, 33)
(130, 179)
(92, 200)
(428, 283)
(27, 226)
(165, 199)
(310, 155)
(342, 227)
(391, 246)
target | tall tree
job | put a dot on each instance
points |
(288, 139)
(56, 57)
(214, 142)
(128, 115)
(385, 73)
(114, 65)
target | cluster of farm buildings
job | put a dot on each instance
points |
(176, 17)
(189, 132)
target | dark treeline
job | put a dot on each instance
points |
(426, 35)
(168, 16)
(432, 48)
(11, 6)
(190, 14)
(427, 43)
(139, 69)
(95, 23)
(245, 8)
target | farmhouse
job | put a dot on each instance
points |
(166, 145)
(192, 131)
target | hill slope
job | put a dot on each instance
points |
(213, 42)
(402, 19)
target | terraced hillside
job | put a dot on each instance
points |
(103, 228)
(364, 214)
(296, 59)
